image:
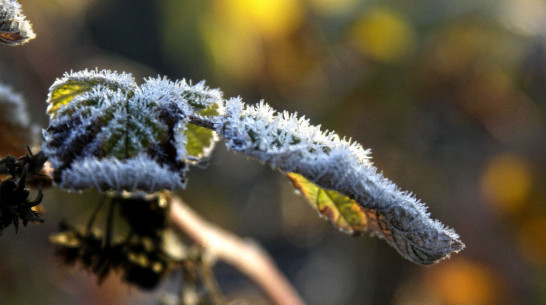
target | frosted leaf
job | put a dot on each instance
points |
(104, 127)
(16, 132)
(14, 28)
(13, 107)
(291, 144)
(138, 173)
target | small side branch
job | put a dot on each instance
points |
(246, 256)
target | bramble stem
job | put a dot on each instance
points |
(246, 256)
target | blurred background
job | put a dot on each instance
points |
(449, 95)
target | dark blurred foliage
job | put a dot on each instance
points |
(449, 95)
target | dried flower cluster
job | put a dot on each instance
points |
(14, 196)
(139, 255)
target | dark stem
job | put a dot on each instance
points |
(201, 121)
(93, 217)
(209, 281)
(109, 225)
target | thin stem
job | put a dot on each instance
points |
(211, 286)
(246, 256)
(109, 225)
(202, 121)
(93, 217)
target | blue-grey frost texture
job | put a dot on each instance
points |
(109, 133)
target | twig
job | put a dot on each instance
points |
(247, 257)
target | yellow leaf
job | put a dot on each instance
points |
(62, 95)
(350, 217)
(343, 212)
(72, 85)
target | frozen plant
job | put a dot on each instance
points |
(108, 133)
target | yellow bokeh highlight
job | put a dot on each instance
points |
(235, 31)
(462, 282)
(506, 183)
(237, 57)
(384, 35)
(532, 240)
(270, 18)
(457, 47)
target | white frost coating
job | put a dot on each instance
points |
(14, 28)
(122, 80)
(13, 107)
(291, 144)
(180, 140)
(163, 90)
(96, 81)
(137, 173)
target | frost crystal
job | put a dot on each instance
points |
(291, 144)
(14, 28)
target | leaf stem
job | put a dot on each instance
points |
(206, 122)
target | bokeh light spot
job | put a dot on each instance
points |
(532, 239)
(384, 35)
(462, 282)
(506, 183)
(269, 17)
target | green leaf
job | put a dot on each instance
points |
(200, 140)
(343, 212)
